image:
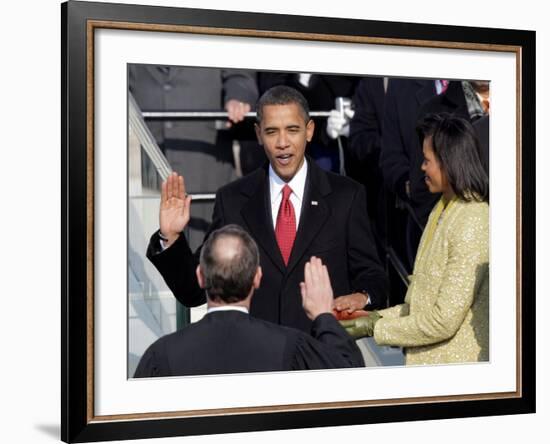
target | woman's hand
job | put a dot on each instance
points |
(361, 327)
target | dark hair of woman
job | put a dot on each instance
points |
(456, 147)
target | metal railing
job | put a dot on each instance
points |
(146, 139)
(398, 265)
(202, 115)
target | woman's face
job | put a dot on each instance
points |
(435, 178)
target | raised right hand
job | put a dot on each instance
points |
(174, 208)
(317, 295)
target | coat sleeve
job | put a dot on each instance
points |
(467, 267)
(365, 269)
(177, 264)
(394, 159)
(329, 346)
(365, 131)
(239, 85)
(394, 312)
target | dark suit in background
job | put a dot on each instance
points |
(399, 141)
(234, 342)
(362, 163)
(399, 144)
(482, 130)
(333, 226)
(193, 147)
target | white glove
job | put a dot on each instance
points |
(338, 124)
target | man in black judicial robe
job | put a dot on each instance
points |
(331, 223)
(229, 340)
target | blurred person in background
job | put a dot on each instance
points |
(201, 150)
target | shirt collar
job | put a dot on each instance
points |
(297, 183)
(227, 308)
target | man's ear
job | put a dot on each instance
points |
(200, 276)
(310, 128)
(258, 133)
(257, 278)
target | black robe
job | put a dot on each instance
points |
(234, 342)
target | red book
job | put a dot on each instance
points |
(344, 315)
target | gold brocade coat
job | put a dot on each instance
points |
(445, 317)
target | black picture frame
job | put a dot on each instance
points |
(79, 19)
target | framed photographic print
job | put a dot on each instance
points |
(110, 204)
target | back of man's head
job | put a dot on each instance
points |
(229, 261)
(282, 95)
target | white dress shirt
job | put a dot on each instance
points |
(227, 308)
(297, 184)
(438, 86)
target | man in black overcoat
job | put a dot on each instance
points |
(328, 219)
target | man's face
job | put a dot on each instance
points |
(284, 133)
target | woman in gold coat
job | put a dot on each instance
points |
(445, 317)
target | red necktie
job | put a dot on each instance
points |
(444, 86)
(285, 230)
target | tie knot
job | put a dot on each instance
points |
(286, 192)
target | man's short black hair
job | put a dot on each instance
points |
(456, 147)
(229, 260)
(282, 95)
